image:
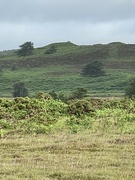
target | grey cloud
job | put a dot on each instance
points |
(63, 10)
(79, 21)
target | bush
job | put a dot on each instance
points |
(19, 90)
(94, 69)
(79, 93)
(51, 50)
(79, 107)
(130, 89)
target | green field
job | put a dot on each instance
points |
(61, 71)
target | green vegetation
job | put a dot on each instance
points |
(26, 49)
(64, 133)
(44, 114)
(60, 69)
(51, 50)
(130, 89)
(19, 90)
(43, 138)
(94, 69)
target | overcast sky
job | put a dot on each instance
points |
(79, 21)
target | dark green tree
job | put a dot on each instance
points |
(130, 89)
(20, 90)
(94, 69)
(26, 49)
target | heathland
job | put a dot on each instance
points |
(58, 66)
(89, 138)
(43, 138)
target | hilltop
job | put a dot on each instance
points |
(60, 70)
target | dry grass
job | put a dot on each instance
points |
(63, 156)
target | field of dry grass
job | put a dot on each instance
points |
(66, 156)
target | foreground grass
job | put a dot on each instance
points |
(65, 156)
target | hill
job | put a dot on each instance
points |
(60, 69)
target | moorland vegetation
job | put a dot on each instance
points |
(54, 128)
(61, 67)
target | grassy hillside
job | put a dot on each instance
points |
(61, 70)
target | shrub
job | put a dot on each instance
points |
(94, 69)
(79, 107)
(51, 50)
(19, 90)
(130, 89)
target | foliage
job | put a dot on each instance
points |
(43, 115)
(51, 50)
(94, 69)
(80, 107)
(30, 115)
(19, 90)
(1, 71)
(13, 67)
(61, 71)
(26, 49)
(53, 94)
(130, 89)
(79, 93)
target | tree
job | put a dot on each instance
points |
(94, 69)
(26, 49)
(130, 89)
(19, 90)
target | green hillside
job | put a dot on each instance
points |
(61, 70)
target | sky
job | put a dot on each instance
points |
(83, 22)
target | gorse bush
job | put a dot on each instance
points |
(44, 114)
(80, 107)
(25, 111)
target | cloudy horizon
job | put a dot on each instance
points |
(82, 22)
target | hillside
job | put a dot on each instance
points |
(60, 71)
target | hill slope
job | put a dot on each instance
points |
(60, 70)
